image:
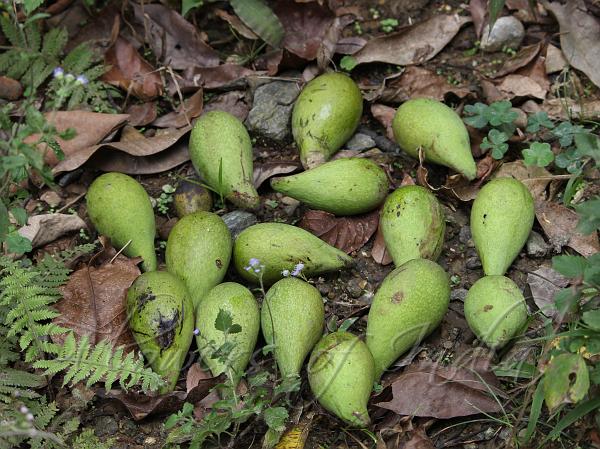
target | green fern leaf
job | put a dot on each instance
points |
(54, 43)
(12, 33)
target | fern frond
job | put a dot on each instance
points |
(16, 383)
(12, 33)
(80, 362)
(54, 43)
(79, 59)
(33, 36)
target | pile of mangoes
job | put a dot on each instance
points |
(165, 307)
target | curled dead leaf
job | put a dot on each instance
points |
(346, 233)
(129, 71)
(190, 109)
(43, 229)
(413, 44)
(266, 170)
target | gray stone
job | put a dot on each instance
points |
(360, 142)
(464, 236)
(238, 220)
(272, 109)
(458, 294)
(106, 426)
(536, 245)
(473, 263)
(354, 289)
(507, 32)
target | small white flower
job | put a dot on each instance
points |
(81, 79)
(29, 417)
(285, 273)
(24, 409)
(196, 331)
(58, 72)
(298, 269)
(69, 77)
(254, 262)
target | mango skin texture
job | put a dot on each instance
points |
(495, 310)
(161, 318)
(120, 209)
(501, 220)
(280, 247)
(325, 116)
(293, 314)
(433, 126)
(341, 374)
(409, 305)
(413, 224)
(240, 303)
(198, 252)
(221, 151)
(347, 186)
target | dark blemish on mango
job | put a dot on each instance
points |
(219, 264)
(397, 297)
(166, 330)
(488, 307)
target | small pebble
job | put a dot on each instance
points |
(238, 220)
(464, 236)
(458, 294)
(473, 263)
(507, 32)
(354, 289)
(360, 142)
(536, 245)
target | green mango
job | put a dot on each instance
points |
(161, 318)
(501, 221)
(409, 305)
(221, 152)
(341, 372)
(190, 197)
(413, 224)
(120, 209)
(325, 116)
(292, 318)
(347, 186)
(275, 247)
(198, 252)
(438, 130)
(495, 310)
(239, 303)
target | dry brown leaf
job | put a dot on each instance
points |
(232, 102)
(559, 223)
(521, 86)
(190, 109)
(140, 405)
(93, 302)
(131, 72)
(90, 128)
(134, 148)
(379, 252)
(419, 440)
(567, 108)
(305, 26)
(266, 170)
(142, 114)
(478, 9)
(544, 284)
(555, 60)
(579, 36)
(521, 59)
(10, 89)
(43, 229)
(414, 44)
(330, 40)
(214, 77)
(350, 45)
(346, 233)
(174, 41)
(384, 115)
(419, 82)
(430, 390)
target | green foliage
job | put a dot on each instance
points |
(495, 8)
(348, 63)
(539, 154)
(496, 141)
(81, 361)
(260, 400)
(497, 115)
(33, 57)
(537, 121)
(589, 213)
(388, 25)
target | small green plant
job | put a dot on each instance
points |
(495, 141)
(388, 25)
(165, 199)
(348, 63)
(539, 154)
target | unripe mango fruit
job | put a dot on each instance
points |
(198, 252)
(501, 221)
(345, 186)
(120, 209)
(221, 152)
(410, 303)
(281, 247)
(161, 318)
(438, 130)
(292, 319)
(413, 224)
(325, 116)
(239, 303)
(495, 310)
(341, 374)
